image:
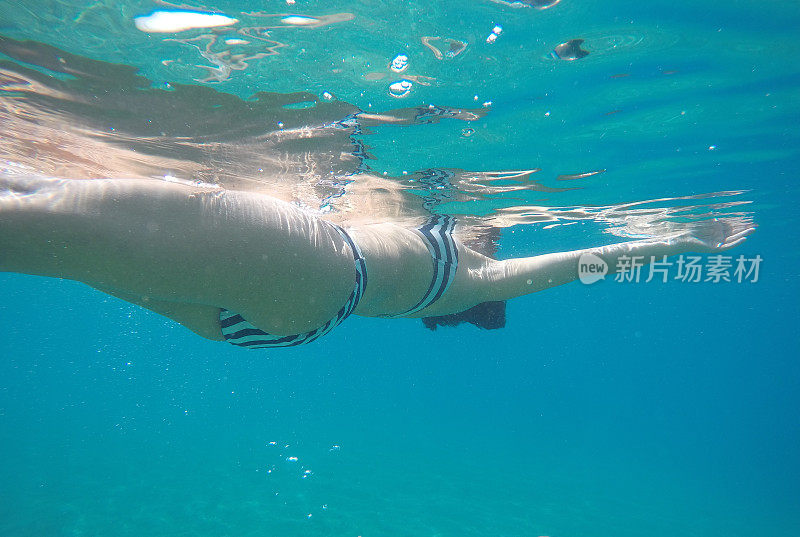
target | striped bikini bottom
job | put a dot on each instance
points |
(437, 235)
(238, 331)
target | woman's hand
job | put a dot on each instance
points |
(717, 235)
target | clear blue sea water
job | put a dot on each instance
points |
(615, 409)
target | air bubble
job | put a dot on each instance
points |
(400, 88)
(298, 20)
(399, 64)
(496, 31)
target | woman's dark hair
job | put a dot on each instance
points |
(487, 315)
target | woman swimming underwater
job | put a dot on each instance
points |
(260, 272)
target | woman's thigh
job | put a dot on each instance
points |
(177, 243)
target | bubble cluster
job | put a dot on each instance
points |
(399, 63)
(496, 31)
(400, 89)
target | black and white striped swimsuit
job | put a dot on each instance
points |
(437, 235)
(238, 331)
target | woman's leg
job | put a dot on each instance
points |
(284, 270)
(201, 319)
(125, 235)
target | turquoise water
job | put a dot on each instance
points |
(612, 409)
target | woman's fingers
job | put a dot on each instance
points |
(719, 234)
(739, 235)
(735, 243)
(734, 239)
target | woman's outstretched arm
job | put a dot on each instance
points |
(502, 280)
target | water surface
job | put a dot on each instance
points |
(625, 409)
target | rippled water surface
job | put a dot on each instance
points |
(615, 409)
